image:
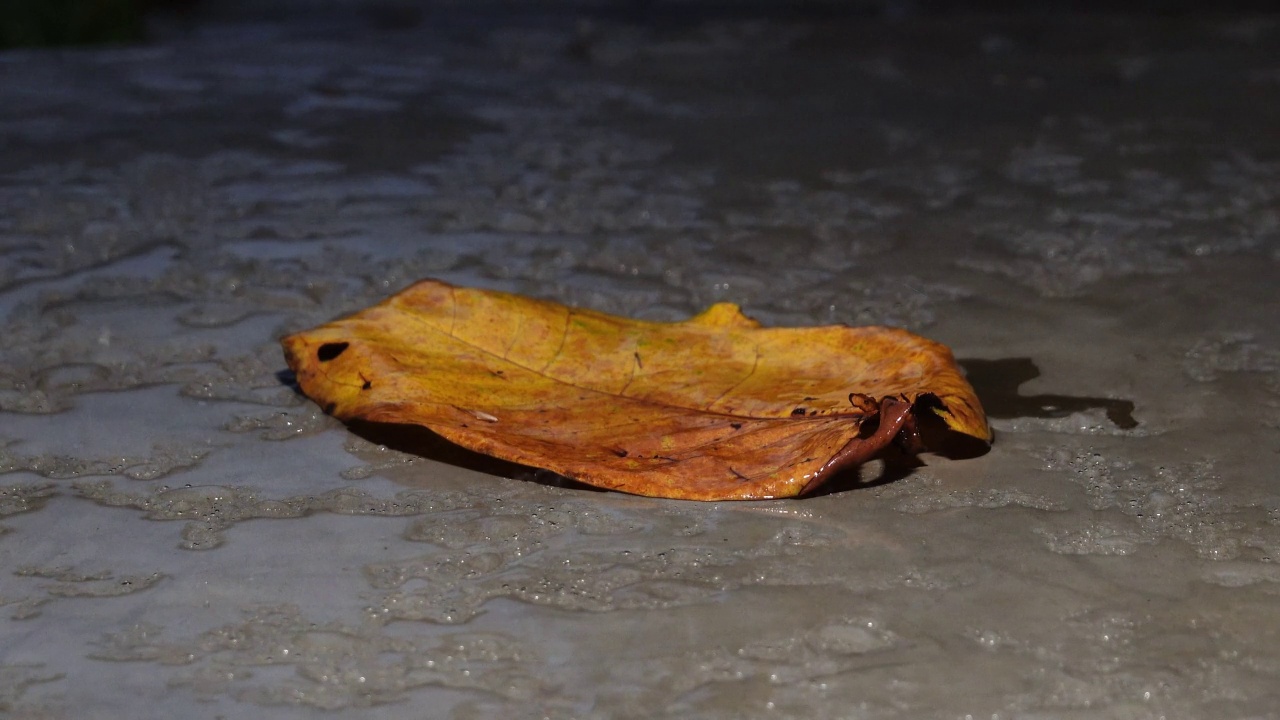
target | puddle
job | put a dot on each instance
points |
(997, 383)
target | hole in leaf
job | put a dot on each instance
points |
(329, 351)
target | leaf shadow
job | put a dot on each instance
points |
(288, 379)
(422, 442)
(997, 381)
(901, 458)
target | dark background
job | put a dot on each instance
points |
(36, 23)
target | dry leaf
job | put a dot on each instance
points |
(712, 408)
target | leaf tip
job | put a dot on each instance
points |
(973, 424)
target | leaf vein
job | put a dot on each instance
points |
(754, 364)
(564, 337)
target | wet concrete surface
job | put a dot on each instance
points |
(1084, 207)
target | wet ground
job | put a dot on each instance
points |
(1087, 209)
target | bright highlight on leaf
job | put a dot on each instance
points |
(712, 408)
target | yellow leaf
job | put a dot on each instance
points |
(712, 408)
